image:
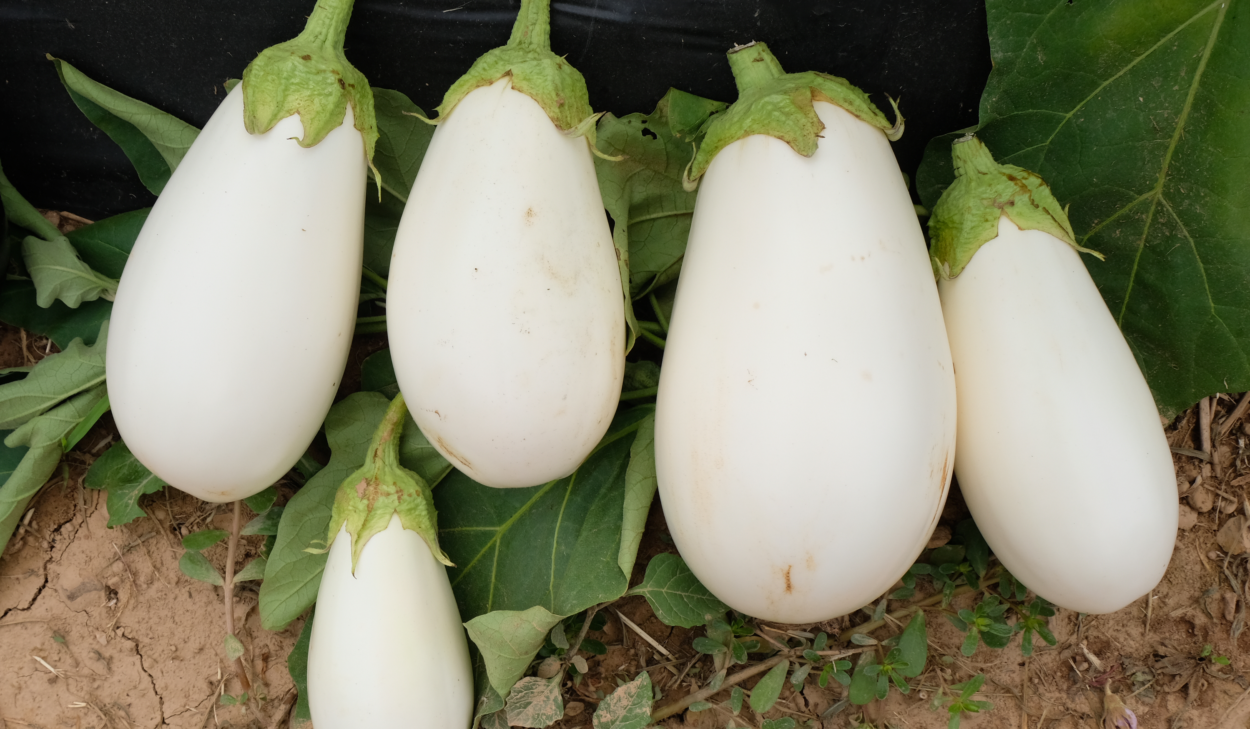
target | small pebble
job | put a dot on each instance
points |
(573, 708)
(1188, 518)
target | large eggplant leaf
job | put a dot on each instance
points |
(41, 438)
(643, 192)
(1138, 115)
(57, 377)
(105, 245)
(153, 140)
(58, 322)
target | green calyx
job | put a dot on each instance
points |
(534, 70)
(966, 216)
(309, 75)
(381, 488)
(779, 104)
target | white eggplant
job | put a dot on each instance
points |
(388, 650)
(805, 423)
(1061, 459)
(235, 311)
(504, 309)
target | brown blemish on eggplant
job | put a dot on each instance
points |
(452, 454)
(789, 586)
(305, 57)
(529, 216)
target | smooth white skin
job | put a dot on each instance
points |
(235, 311)
(504, 308)
(1061, 458)
(805, 426)
(387, 649)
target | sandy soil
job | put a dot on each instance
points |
(100, 629)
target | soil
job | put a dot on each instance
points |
(100, 629)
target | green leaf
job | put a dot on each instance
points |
(864, 682)
(42, 438)
(154, 141)
(977, 551)
(628, 707)
(768, 690)
(675, 595)
(377, 374)
(297, 666)
(88, 422)
(254, 570)
(234, 648)
(197, 567)
(643, 192)
(535, 702)
(201, 540)
(1141, 121)
(402, 141)
(106, 244)
(62, 324)
(260, 502)
(54, 379)
(266, 524)
(707, 646)
(381, 222)
(640, 485)
(125, 479)
(913, 646)
(785, 722)
(493, 535)
(293, 575)
(60, 275)
(508, 641)
(735, 699)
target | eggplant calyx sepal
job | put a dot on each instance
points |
(966, 216)
(533, 69)
(309, 75)
(779, 104)
(382, 488)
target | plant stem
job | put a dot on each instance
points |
(533, 25)
(371, 324)
(684, 702)
(373, 277)
(228, 585)
(659, 314)
(753, 66)
(657, 341)
(639, 394)
(327, 25)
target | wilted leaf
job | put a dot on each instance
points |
(535, 702)
(676, 596)
(234, 648)
(154, 141)
(125, 479)
(628, 707)
(1141, 121)
(54, 379)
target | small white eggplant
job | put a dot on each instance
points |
(505, 310)
(235, 311)
(388, 650)
(805, 424)
(1061, 457)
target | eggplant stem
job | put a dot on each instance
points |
(228, 586)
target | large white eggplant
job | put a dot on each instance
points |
(387, 650)
(805, 425)
(504, 309)
(235, 311)
(1061, 458)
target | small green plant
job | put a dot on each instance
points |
(961, 702)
